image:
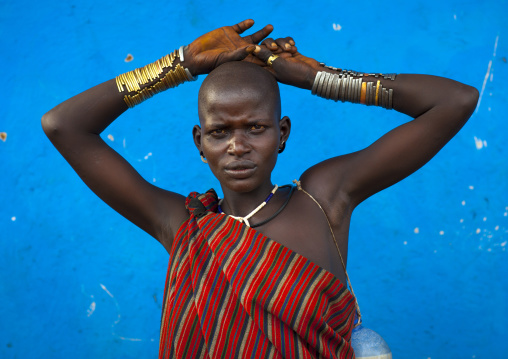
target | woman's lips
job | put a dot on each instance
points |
(240, 169)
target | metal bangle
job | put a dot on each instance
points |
(316, 80)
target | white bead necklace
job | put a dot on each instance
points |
(256, 210)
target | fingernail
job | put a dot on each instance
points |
(287, 46)
(273, 44)
(257, 49)
(291, 42)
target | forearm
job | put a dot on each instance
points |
(415, 95)
(91, 111)
(412, 95)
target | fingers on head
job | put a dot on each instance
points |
(261, 34)
(286, 44)
(238, 54)
(242, 26)
(290, 40)
(262, 53)
(270, 44)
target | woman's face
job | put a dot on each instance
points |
(240, 136)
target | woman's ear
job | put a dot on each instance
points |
(284, 128)
(196, 134)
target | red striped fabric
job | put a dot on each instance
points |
(231, 292)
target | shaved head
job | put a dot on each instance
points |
(238, 79)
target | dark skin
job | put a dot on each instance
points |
(240, 136)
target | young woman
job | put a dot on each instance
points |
(260, 273)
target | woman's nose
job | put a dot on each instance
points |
(238, 145)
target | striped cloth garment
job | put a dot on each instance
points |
(231, 292)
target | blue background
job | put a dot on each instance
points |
(79, 281)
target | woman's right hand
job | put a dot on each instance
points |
(223, 45)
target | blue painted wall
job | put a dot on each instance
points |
(428, 256)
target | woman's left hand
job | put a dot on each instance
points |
(291, 67)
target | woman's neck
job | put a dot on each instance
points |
(243, 203)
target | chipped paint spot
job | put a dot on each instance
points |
(111, 138)
(463, 203)
(116, 304)
(153, 180)
(337, 27)
(478, 230)
(13, 219)
(479, 143)
(505, 214)
(487, 74)
(129, 58)
(489, 250)
(485, 219)
(496, 228)
(3, 136)
(106, 290)
(130, 339)
(148, 155)
(91, 309)
(503, 244)
(123, 143)
(462, 220)
(417, 230)
(405, 242)
(471, 188)
(491, 77)
(483, 86)
(441, 233)
(454, 16)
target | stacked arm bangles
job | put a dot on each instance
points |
(348, 85)
(132, 81)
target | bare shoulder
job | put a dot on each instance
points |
(325, 182)
(172, 213)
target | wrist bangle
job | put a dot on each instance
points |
(352, 86)
(132, 81)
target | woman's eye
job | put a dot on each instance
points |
(219, 132)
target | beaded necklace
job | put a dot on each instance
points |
(256, 210)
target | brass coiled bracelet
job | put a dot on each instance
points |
(132, 81)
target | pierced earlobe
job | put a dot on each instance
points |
(282, 146)
(203, 157)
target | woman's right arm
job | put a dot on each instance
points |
(74, 128)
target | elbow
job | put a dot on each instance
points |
(47, 123)
(462, 102)
(467, 100)
(50, 124)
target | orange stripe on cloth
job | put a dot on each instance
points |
(231, 292)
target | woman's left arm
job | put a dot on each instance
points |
(439, 108)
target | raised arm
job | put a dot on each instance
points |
(75, 125)
(439, 106)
